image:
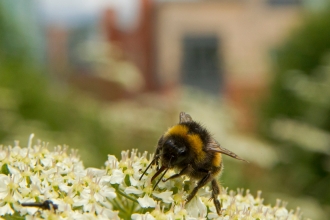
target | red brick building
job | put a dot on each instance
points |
(221, 47)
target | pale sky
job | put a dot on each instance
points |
(75, 12)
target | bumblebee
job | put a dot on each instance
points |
(191, 149)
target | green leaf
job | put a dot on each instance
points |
(16, 216)
(4, 169)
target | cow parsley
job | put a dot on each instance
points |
(35, 174)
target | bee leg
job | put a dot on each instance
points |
(200, 184)
(215, 193)
(182, 172)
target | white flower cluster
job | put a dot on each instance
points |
(35, 174)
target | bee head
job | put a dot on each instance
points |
(173, 152)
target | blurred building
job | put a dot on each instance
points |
(220, 46)
(223, 47)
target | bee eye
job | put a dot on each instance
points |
(182, 151)
(174, 151)
(169, 144)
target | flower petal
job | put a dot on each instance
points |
(146, 202)
(133, 190)
(117, 177)
(164, 196)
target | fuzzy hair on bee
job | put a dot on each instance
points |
(191, 149)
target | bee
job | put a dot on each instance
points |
(46, 205)
(191, 149)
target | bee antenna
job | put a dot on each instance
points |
(160, 178)
(161, 170)
(150, 164)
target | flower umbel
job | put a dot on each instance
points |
(35, 174)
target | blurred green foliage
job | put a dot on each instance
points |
(304, 51)
(29, 103)
(296, 115)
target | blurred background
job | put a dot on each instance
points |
(108, 75)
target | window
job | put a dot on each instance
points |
(284, 2)
(201, 63)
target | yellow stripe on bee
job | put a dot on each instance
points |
(178, 130)
(194, 140)
(217, 159)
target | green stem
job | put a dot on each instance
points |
(133, 207)
(115, 202)
(126, 196)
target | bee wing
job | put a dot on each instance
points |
(215, 147)
(185, 117)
